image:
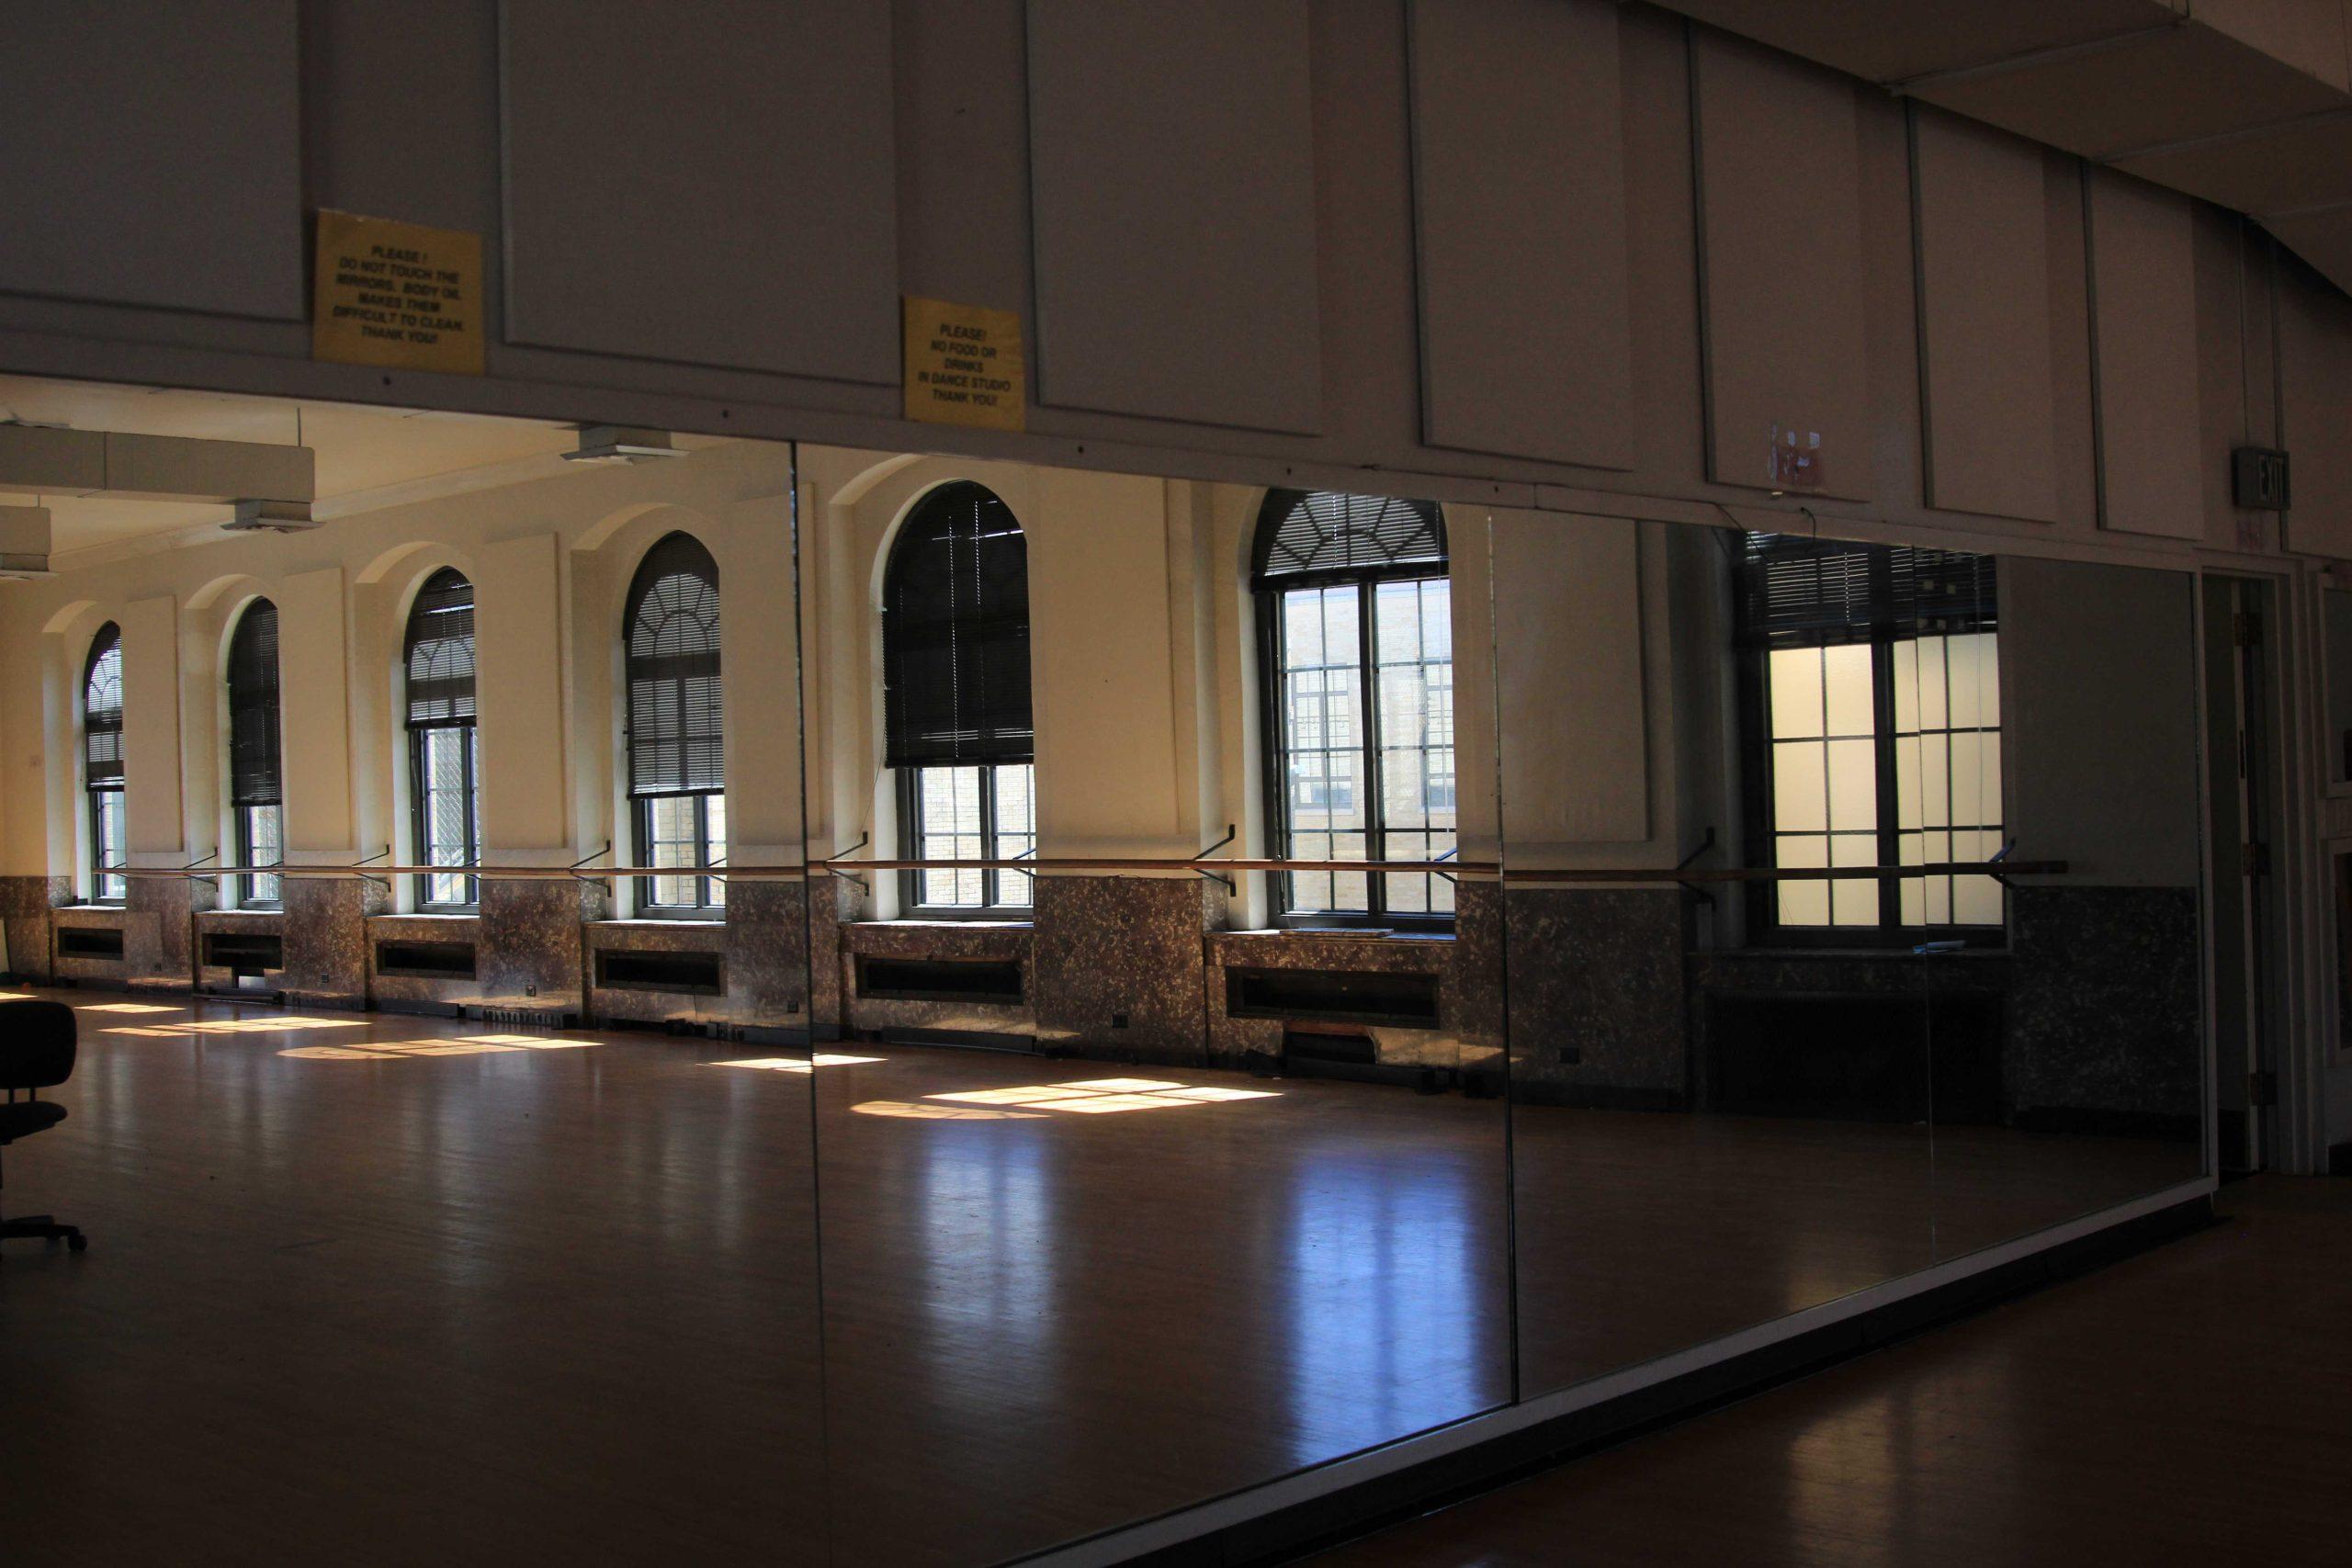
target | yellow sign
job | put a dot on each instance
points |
(964, 365)
(397, 295)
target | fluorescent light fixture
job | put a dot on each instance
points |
(23, 544)
(620, 443)
(271, 517)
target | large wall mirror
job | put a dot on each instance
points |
(1850, 927)
(1147, 1177)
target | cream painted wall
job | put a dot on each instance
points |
(150, 725)
(314, 710)
(547, 655)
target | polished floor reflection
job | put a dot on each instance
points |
(1641, 1233)
(1080, 1298)
(430, 1292)
(2185, 1406)
(370, 1289)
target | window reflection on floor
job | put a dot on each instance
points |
(235, 1026)
(1096, 1097)
(123, 1007)
(795, 1063)
(464, 1045)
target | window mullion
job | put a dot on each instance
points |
(1890, 825)
(1375, 815)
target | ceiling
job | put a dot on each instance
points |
(366, 458)
(2244, 103)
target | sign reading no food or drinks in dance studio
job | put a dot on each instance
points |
(964, 365)
(397, 295)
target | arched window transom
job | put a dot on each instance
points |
(445, 757)
(102, 775)
(1356, 639)
(677, 746)
(956, 699)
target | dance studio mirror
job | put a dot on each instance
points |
(1845, 931)
(1164, 1155)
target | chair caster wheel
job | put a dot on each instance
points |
(77, 1243)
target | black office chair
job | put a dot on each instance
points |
(37, 1052)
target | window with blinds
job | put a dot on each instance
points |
(955, 700)
(102, 766)
(1874, 733)
(677, 749)
(1356, 639)
(256, 750)
(444, 752)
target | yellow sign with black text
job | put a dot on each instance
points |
(964, 365)
(398, 295)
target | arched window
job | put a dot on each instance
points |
(677, 751)
(102, 766)
(444, 760)
(1870, 715)
(256, 778)
(956, 699)
(1356, 638)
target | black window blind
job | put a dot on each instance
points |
(1798, 591)
(102, 710)
(440, 652)
(1304, 536)
(956, 634)
(254, 751)
(676, 714)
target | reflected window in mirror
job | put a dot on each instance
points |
(102, 766)
(1871, 730)
(257, 782)
(1355, 629)
(445, 762)
(959, 734)
(677, 744)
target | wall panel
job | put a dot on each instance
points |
(2315, 416)
(154, 155)
(1173, 188)
(1519, 191)
(1983, 269)
(709, 182)
(1781, 260)
(2143, 274)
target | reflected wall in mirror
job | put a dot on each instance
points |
(2336, 631)
(1718, 1088)
(1787, 1017)
(1144, 1179)
(2071, 1068)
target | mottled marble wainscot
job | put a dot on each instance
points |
(405, 987)
(215, 930)
(1234, 1039)
(1119, 966)
(136, 933)
(998, 942)
(620, 1001)
(1596, 989)
(325, 933)
(2106, 1024)
(767, 953)
(175, 903)
(529, 950)
(834, 903)
(25, 904)
(1476, 978)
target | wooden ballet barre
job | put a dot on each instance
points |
(1997, 868)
